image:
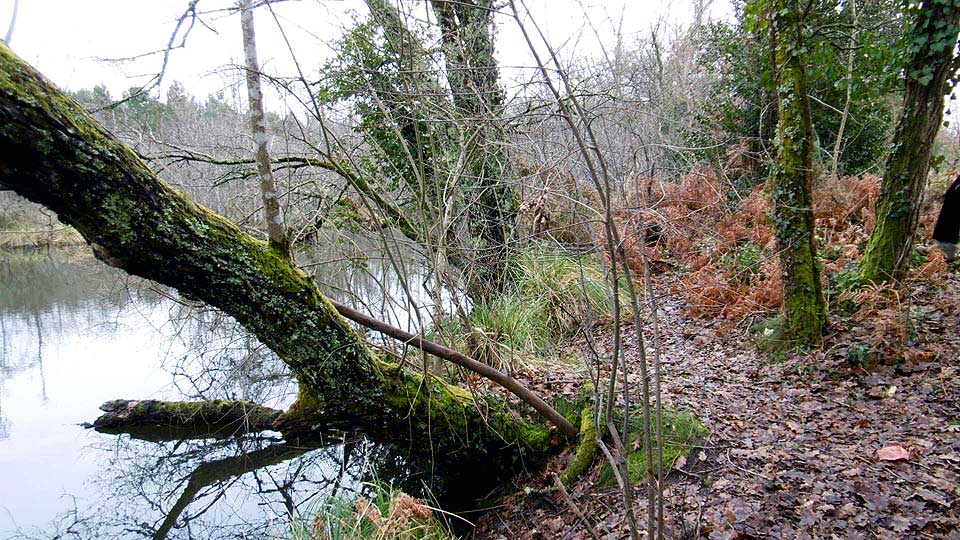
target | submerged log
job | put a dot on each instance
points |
(235, 417)
(53, 153)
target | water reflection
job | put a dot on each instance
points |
(229, 488)
(75, 333)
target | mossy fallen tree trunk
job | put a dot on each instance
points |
(55, 154)
(210, 417)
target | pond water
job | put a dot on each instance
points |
(74, 334)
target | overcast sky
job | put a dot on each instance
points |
(68, 40)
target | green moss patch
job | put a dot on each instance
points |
(681, 431)
(587, 448)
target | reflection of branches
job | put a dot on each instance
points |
(213, 472)
(192, 488)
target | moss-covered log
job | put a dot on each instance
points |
(55, 154)
(931, 42)
(586, 451)
(804, 308)
(234, 416)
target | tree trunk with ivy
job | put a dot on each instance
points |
(53, 153)
(804, 309)
(931, 42)
(466, 31)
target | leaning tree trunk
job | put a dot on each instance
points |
(804, 309)
(55, 154)
(932, 42)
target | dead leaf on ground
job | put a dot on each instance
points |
(893, 451)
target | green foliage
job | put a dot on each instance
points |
(548, 294)
(681, 431)
(391, 101)
(860, 355)
(94, 98)
(848, 279)
(742, 101)
(744, 263)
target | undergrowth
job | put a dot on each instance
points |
(714, 234)
(551, 294)
(681, 432)
(389, 514)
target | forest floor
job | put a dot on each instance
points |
(858, 439)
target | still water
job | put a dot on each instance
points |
(74, 334)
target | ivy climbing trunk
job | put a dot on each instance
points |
(55, 154)
(931, 41)
(804, 308)
(466, 32)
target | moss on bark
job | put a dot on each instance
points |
(587, 449)
(243, 415)
(804, 307)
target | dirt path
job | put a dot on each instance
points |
(793, 450)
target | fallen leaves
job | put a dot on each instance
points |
(893, 451)
(812, 447)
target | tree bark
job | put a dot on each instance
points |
(804, 308)
(53, 153)
(932, 42)
(258, 126)
(466, 31)
(229, 417)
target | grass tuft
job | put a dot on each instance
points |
(550, 291)
(388, 514)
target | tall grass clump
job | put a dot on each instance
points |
(388, 514)
(550, 292)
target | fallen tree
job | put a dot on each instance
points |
(55, 154)
(229, 417)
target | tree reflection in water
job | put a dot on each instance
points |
(241, 487)
(172, 485)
